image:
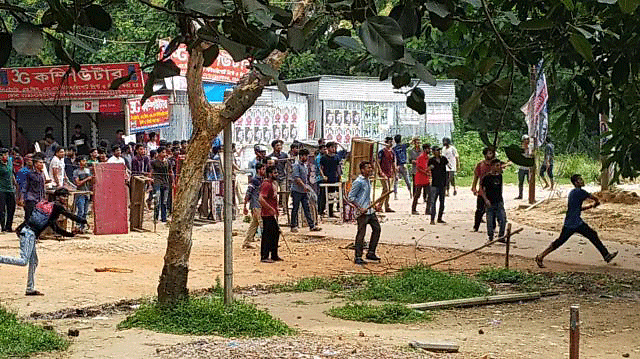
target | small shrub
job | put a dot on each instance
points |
(207, 316)
(503, 275)
(383, 314)
(19, 339)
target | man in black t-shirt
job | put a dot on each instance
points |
(491, 185)
(80, 140)
(329, 165)
(438, 167)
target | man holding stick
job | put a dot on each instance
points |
(573, 223)
(360, 196)
(387, 161)
(269, 212)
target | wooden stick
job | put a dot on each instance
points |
(469, 302)
(435, 347)
(475, 250)
(506, 257)
(284, 238)
(574, 332)
(535, 205)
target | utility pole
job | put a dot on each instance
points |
(228, 217)
(532, 170)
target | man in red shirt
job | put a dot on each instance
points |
(269, 212)
(482, 169)
(387, 160)
(422, 179)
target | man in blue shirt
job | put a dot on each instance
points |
(299, 191)
(401, 160)
(360, 197)
(574, 224)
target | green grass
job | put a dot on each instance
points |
(524, 280)
(383, 314)
(311, 284)
(207, 316)
(420, 284)
(19, 339)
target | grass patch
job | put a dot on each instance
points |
(525, 280)
(207, 316)
(311, 284)
(420, 284)
(19, 339)
(389, 313)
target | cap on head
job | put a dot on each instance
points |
(525, 137)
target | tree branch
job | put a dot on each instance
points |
(496, 32)
(162, 8)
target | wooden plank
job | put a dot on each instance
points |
(534, 205)
(470, 302)
(438, 347)
(110, 205)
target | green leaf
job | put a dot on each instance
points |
(401, 80)
(475, 3)
(282, 16)
(415, 101)
(340, 32)
(282, 87)
(513, 19)
(574, 127)
(81, 43)
(382, 37)
(340, 5)
(115, 84)
(258, 12)
(628, 6)
(536, 24)
(27, 39)
(5, 48)
(471, 104)
(515, 154)
(63, 55)
(461, 73)
(237, 51)
(384, 74)
(98, 17)
(249, 36)
(568, 4)
(363, 9)
(267, 70)
(437, 8)
(486, 64)
(492, 98)
(441, 23)
(205, 7)
(349, 43)
(620, 72)
(168, 68)
(210, 55)
(406, 15)
(582, 46)
(423, 74)
(500, 87)
(295, 38)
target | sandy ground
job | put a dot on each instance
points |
(66, 274)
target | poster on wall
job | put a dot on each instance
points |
(263, 124)
(154, 114)
(341, 125)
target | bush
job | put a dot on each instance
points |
(383, 314)
(566, 165)
(207, 316)
(420, 284)
(19, 339)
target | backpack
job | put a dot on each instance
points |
(40, 216)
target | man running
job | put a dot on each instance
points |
(573, 223)
(360, 196)
(45, 215)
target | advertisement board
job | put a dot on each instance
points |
(152, 115)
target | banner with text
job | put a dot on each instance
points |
(152, 115)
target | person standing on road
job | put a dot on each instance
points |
(58, 173)
(252, 197)
(547, 166)
(299, 190)
(45, 215)
(523, 172)
(482, 168)
(269, 211)
(281, 164)
(450, 152)
(387, 161)
(160, 177)
(82, 178)
(360, 197)
(329, 165)
(7, 191)
(573, 223)
(412, 156)
(33, 190)
(438, 167)
(422, 179)
(400, 150)
(491, 186)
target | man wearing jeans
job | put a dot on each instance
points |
(7, 191)
(160, 174)
(491, 186)
(360, 196)
(299, 191)
(438, 167)
(400, 150)
(82, 178)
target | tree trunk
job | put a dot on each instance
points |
(208, 121)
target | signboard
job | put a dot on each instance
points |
(111, 105)
(439, 113)
(224, 69)
(154, 114)
(50, 83)
(88, 106)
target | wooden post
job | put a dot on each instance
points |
(506, 257)
(574, 332)
(228, 217)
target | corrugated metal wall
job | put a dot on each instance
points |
(181, 125)
(368, 89)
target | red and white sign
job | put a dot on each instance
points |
(224, 69)
(111, 105)
(88, 106)
(49, 83)
(152, 115)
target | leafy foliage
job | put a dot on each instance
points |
(207, 316)
(19, 339)
(388, 313)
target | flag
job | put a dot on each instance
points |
(535, 110)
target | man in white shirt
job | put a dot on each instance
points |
(451, 154)
(57, 167)
(117, 156)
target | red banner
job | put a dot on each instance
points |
(154, 114)
(224, 69)
(49, 83)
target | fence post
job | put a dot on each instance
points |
(506, 257)
(574, 332)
